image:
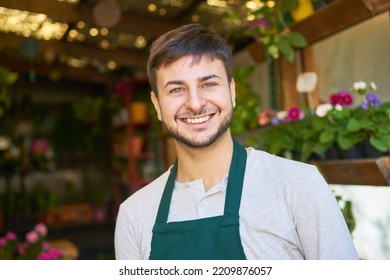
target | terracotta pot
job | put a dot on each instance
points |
(136, 145)
(139, 111)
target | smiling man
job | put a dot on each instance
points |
(221, 200)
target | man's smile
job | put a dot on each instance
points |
(196, 120)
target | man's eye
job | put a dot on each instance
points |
(176, 90)
(210, 84)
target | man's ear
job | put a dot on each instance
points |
(156, 104)
(233, 92)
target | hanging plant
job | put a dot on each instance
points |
(268, 24)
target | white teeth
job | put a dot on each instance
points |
(198, 120)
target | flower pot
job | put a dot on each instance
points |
(371, 152)
(136, 145)
(138, 111)
(305, 9)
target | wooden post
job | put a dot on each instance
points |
(288, 76)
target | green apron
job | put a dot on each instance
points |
(213, 238)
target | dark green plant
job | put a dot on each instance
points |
(346, 210)
(7, 78)
(247, 102)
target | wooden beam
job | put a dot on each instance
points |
(287, 79)
(309, 66)
(331, 19)
(377, 6)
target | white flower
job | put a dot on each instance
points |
(323, 109)
(5, 143)
(281, 115)
(373, 86)
(359, 85)
(338, 107)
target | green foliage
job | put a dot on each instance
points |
(247, 102)
(269, 27)
(346, 210)
(7, 78)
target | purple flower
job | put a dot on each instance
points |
(259, 22)
(275, 121)
(373, 99)
(364, 106)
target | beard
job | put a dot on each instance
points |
(193, 142)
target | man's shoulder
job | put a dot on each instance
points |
(280, 166)
(148, 195)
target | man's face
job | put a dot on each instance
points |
(195, 101)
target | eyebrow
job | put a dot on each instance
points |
(201, 79)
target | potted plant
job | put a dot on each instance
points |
(267, 22)
(335, 127)
(366, 126)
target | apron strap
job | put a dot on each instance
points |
(163, 209)
(233, 190)
(235, 180)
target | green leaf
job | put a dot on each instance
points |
(353, 125)
(286, 49)
(327, 136)
(380, 143)
(345, 142)
(297, 40)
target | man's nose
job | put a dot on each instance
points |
(195, 100)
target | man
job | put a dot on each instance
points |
(220, 200)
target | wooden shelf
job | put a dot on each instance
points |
(374, 172)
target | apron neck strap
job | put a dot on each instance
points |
(235, 180)
(233, 190)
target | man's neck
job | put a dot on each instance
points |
(210, 163)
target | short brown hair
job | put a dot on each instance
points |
(190, 39)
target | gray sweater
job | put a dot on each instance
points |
(287, 212)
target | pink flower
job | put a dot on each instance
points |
(41, 229)
(54, 254)
(263, 118)
(22, 248)
(46, 246)
(3, 241)
(43, 256)
(295, 114)
(10, 236)
(40, 146)
(343, 97)
(32, 236)
(335, 99)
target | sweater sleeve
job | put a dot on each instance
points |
(125, 238)
(320, 225)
